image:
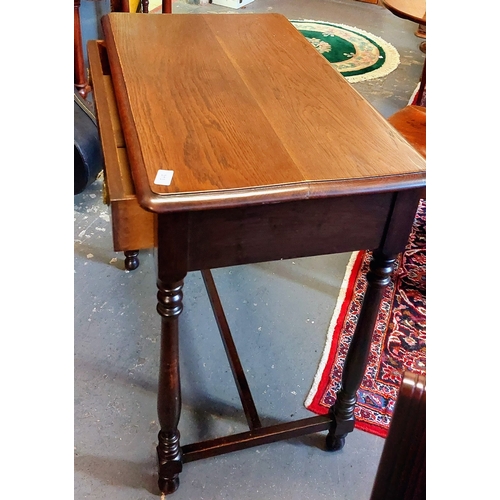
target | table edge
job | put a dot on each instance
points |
(227, 198)
(404, 15)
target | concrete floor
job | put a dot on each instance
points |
(279, 313)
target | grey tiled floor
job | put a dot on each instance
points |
(279, 313)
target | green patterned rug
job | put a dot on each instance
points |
(357, 54)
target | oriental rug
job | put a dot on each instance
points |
(357, 54)
(399, 338)
(413, 98)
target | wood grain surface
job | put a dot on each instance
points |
(244, 110)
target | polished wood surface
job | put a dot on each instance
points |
(239, 124)
(410, 122)
(413, 10)
(133, 227)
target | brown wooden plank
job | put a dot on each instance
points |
(240, 379)
(286, 230)
(235, 122)
(257, 437)
(328, 128)
(118, 181)
(133, 227)
(200, 121)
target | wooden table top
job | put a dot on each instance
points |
(244, 110)
(413, 10)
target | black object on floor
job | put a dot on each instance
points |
(88, 152)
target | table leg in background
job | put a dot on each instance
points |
(342, 412)
(394, 241)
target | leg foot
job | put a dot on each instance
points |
(334, 443)
(342, 415)
(131, 260)
(169, 461)
(168, 486)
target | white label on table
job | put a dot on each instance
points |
(164, 177)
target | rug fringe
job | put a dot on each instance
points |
(414, 95)
(330, 331)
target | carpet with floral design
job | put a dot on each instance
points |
(357, 54)
(399, 338)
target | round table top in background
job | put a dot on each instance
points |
(413, 10)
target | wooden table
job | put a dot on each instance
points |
(413, 10)
(245, 145)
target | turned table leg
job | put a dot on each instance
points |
(172, 269)
(169, 393)
(342, 412)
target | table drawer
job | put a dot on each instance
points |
(133, 227)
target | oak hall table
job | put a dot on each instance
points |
(241, 144)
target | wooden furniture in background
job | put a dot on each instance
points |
(249, 148)
(412, 10)
(410, 122)
(401, 473)
(81, 81)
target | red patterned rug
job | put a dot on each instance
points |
(413, 98)
(398, 340)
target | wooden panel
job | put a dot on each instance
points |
(133, 227)
(247, 110)
(198, 118)
(286, 230)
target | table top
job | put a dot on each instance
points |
(240, 109)
(413, 10)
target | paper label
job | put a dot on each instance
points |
(164, 177)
